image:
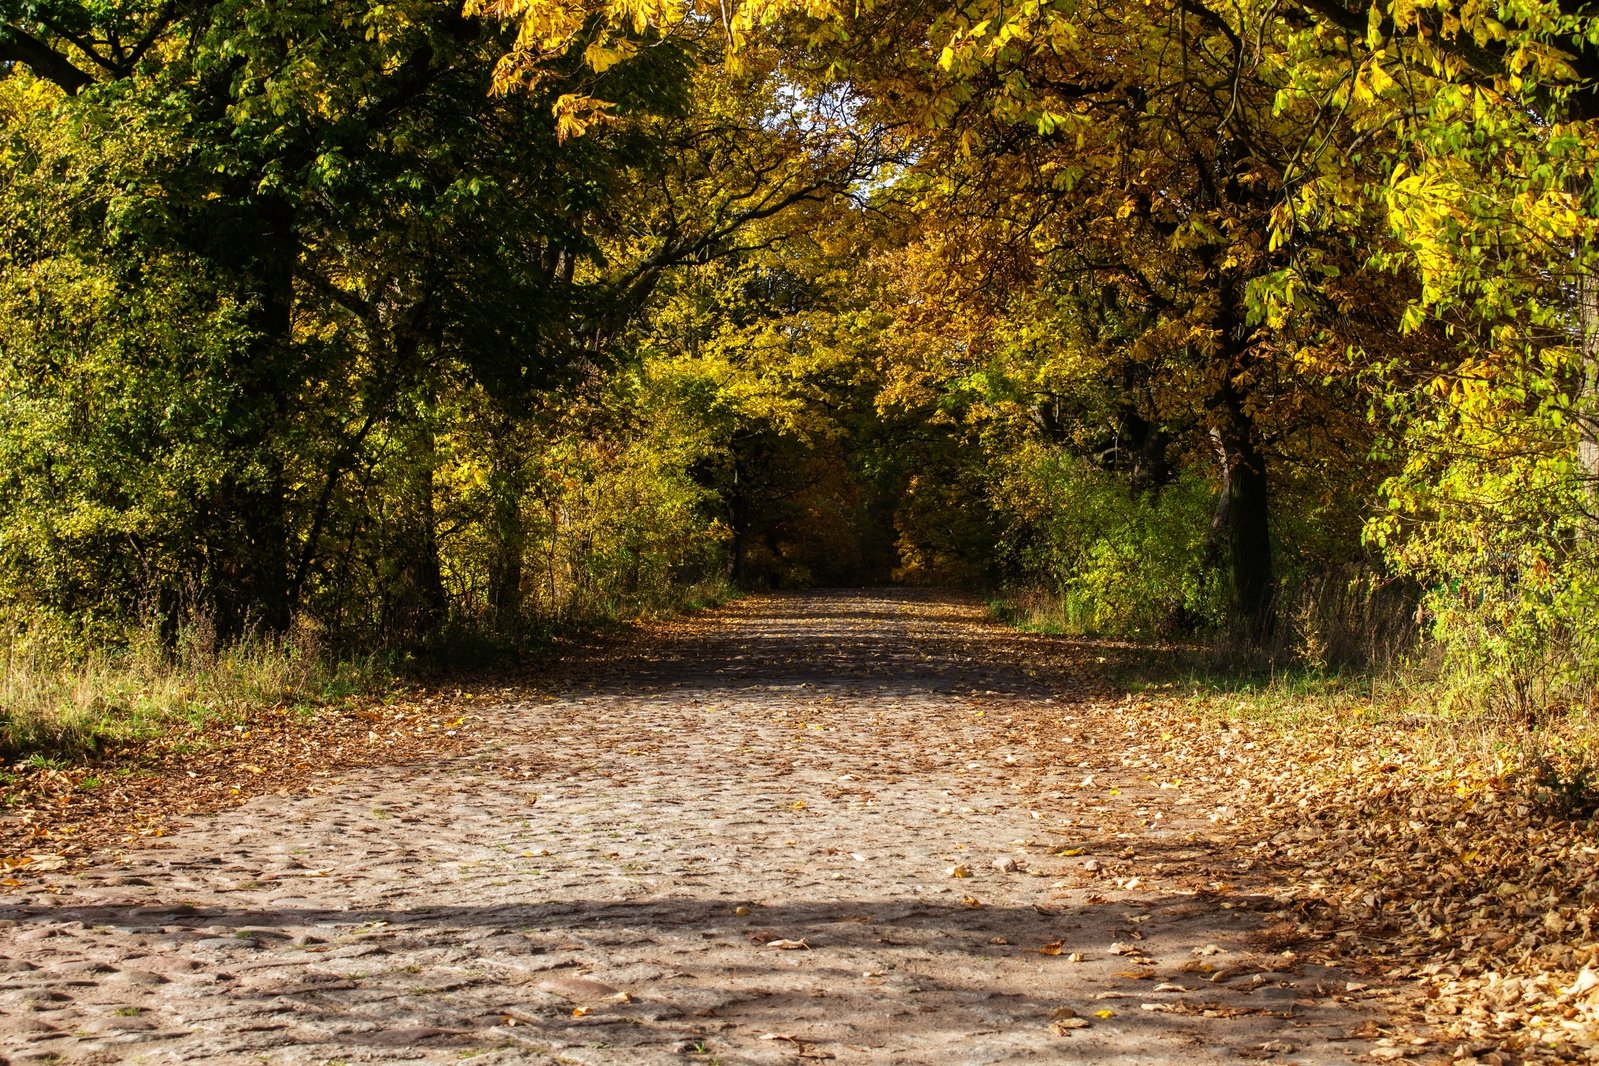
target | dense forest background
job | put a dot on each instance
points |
(367, 325)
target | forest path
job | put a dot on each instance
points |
(731, 840)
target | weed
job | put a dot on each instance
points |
(1564, 789)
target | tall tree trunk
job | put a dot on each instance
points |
(250, 547)
(418, 603)
(1246, 486)
(507, 485)
(1247, 517)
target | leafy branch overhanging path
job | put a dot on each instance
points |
(871, 827)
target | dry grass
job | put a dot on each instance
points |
(58, 700)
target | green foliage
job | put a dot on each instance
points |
(1503, 544)
(1121, 562)
(298, 317)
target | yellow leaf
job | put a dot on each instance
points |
(601, 55)
(1105, 1013)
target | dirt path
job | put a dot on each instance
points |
(737, 841)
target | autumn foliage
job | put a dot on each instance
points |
(1272, 322)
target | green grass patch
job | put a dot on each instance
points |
(61, 702)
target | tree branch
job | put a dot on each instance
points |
(17, 46)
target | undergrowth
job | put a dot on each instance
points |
(1400, 700)
(67, 698)
(62, 700)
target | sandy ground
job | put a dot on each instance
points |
(872, 827)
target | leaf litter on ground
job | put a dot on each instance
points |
(1368, 848)
(1380, 852)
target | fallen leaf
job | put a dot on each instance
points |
(789, 945)
(1052, 948)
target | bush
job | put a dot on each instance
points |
(1120, 561)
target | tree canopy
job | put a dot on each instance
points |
(1273, 319)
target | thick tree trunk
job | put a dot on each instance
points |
(250, 549)
(1246, 487)
(417, 603)
(1248, 515)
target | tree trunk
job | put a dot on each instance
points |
(418, 603)
(1245, 484)
(1244, 513)
(510, 531)
(1588, 401)
(250, 547)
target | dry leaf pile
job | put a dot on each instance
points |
(1419, 866)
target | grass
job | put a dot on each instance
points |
(1391, 700)
(59, 703)
(66, 700)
